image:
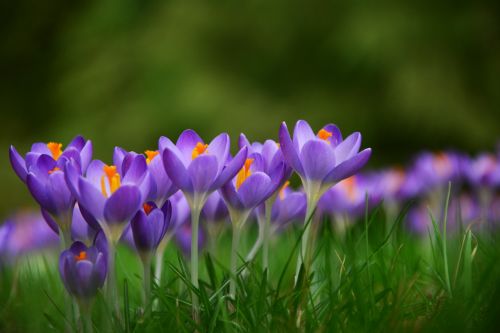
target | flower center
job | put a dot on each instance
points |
(282, 190)
(55, 149)
(81, 256)
(150, 155)
(113, 178)
(54, 170)
(199, 149)
(323, 134)
(244, 173)
(147, 208)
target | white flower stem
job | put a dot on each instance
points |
(302, 258)
(195, 218)
(267, 234)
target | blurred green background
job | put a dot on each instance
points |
(408, 75)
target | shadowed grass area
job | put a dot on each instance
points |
(373, 276)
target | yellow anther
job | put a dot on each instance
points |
(282, 190)
(55, 149)
(323, 134)
(150, 155)
(199, 149)
(244, 173)
(113, 177)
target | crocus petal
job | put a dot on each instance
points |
(72, 174)
(80, 229)
(142, 232)
(18, 163)
(134, 169)
(40, 148)
(101, 268)
(176, 170)
(50, 221)
(301, 134)
(90, 198)
(318, 159)
(203, 172)
(86, 155)
(78, 142)
(231, 197)
(59, 192)
(254, 190)
(348, 148)
(118, 156)
(77, 247)
(123, 204)
(336, 137)
(219, 147)
(243, 141)
(231, 169)
(69, 154)
(349, 167)
(186, 143)
(44, 164)
(39, 191)
(289, 152)
(86, 285)
(95, 171)
(156, 220)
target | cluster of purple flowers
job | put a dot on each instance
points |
(474, 197)
(146, 199)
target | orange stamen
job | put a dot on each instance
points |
(113, 179)
(199, 149)
(323, 134)
(81, 256)
(55, 149)
(244, 173)
(147, 208)
(54, 170)
(282, 190)
(150, 155)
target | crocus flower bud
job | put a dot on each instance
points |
(83, 270)
(149, 226)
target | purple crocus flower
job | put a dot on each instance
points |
(42, 171)
(83, 270)
(271, 154)
(483, 171)
(83, 228)
(199, 169)
(111, 194)
(253, 185)
(348, 197)
(161, 187)
(435, 170)
(149, 225)
(215, 209)
(289, 206)
(321, 160)
(24, 233)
